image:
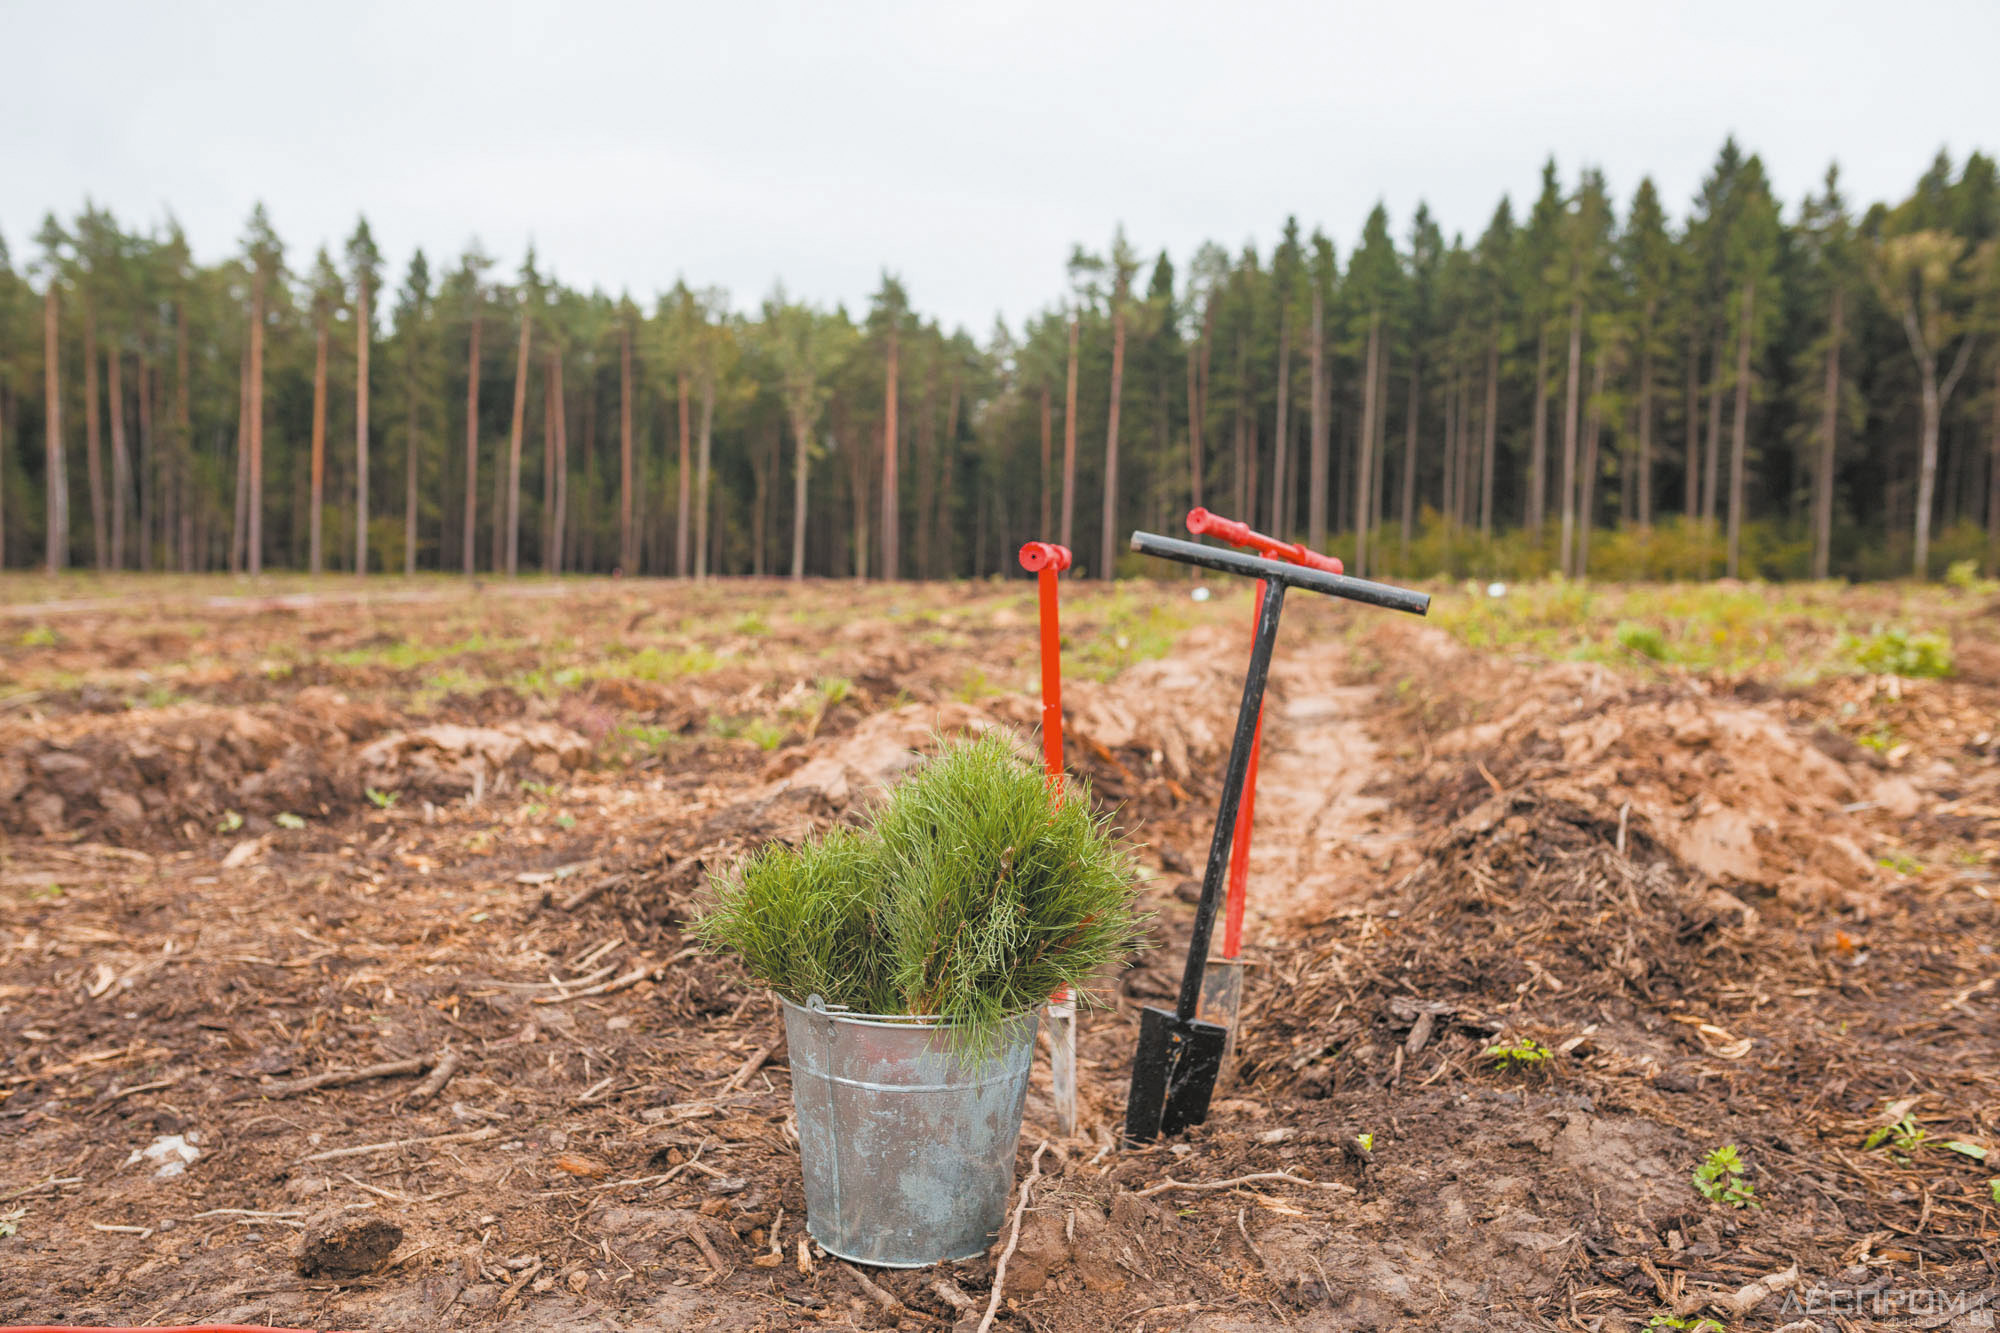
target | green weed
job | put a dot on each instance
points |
(1901, 1139)
(381, 800)
(1897, 652)
(1719, 1179)
(1523, 1053)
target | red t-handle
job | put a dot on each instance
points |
(1202, 523)
(1045, 560)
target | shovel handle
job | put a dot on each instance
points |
(1277, 571)
(1202, 523)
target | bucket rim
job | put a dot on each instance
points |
(842, 1015)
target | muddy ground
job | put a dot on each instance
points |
(248, 843)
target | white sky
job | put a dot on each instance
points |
(964, 146)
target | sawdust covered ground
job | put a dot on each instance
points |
(253, 844)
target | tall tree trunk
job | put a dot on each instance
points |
(1711, 467)
(943, 549)
(628, 549)
(1195, 461)
(683, 481)
(1488, 445)
(1538, 448)
(56, 471)
(550, 562)
(1241, 472)
(241, 516)
(1740, 435)
(1993, 481)
(183, 438)
(1592, 436)
(514, 446)
(364, 341)
(1571, 390)
(1691, 446)
(1829, 434)
(1048, 461)
(562, 467)
(1645, 469)
(802, 443)
(1408, 515)
(891, 499)
(121, 461)
(706, 439)
(100, 517)
(315, 515)
(1282, 436)
(412, 455)
(149, 499)
(1935, 396)
(254, 498)
(1069, 442)
(1108, 539)
(472, 451)
(1379, 467)
(926, 468)
(1316, 479)
(1363, 476)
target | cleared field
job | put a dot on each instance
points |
(1553, 897)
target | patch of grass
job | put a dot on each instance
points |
(1126, 630)
(1897, 652)
(661, 664)
(975, 686)
(1645, 640)
(751, 625)
(765, 734)
(36, 636)
(1719, 1179)
(832, 690)
(1901, 863)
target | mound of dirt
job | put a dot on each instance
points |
(119, 774)
(451, 760)
(846, 768)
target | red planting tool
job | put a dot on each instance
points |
(1045, 560)
(1222, 989)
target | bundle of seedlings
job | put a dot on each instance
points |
(973, 895)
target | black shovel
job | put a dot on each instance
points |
(1179, 1056)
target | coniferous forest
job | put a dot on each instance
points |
(1623, 387)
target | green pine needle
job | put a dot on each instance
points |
(972, 898)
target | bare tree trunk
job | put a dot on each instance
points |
(412, 451)
(1195, 461)
(1645, 469)
(1317, 448)
(1363, 478)
(945, 556)
(628, 549)
(1993, 481)
(1691, 447)
(562, 467)
(121, 461)
(254, 500)
(316, 559)
(1592, 436)
(1740, 435)
(1069, 441)
(1571, 390)
(1488, 447)
(891, 500)
(926, 462)
(100, 518)
(1241, 473)
(183, 438)
(1935, 396)
(802, 438)
(149, 499)
(684, 482)
(56, 470)
(1108, 538)
(1829, 428)
(1711, 479)
(241, 518)
(364, 342)
(514, 446)
(472, 451)
(701, 476)
(1408, 517)
(1048, 461)
(1379, 467)
(1282, 438)
(550, 559)
(1538, 449)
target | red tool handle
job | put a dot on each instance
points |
(1202, 523)
(1045, 560)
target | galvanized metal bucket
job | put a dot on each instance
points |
(907, 1151)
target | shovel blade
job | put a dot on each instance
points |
(1173, 1074)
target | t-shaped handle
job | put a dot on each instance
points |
(1278, 571)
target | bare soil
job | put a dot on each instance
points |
(250, 849)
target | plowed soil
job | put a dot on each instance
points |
(327, 918)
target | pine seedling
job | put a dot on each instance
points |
(998, 896)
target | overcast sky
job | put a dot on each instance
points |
(965, 147)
